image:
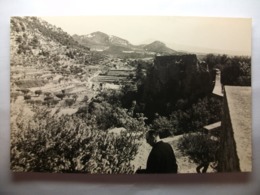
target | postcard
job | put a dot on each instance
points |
(130, 94)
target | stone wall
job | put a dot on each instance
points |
(228, 159)
(235, 152)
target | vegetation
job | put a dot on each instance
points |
(30, 83)
(60, 95)
(205, 111)
(201, 148)
(234, 70)
(27, 97)
(38, 92)
(69, 144)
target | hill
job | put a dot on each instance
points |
(100, 41)
(35, 42)
(116, 46)
(158, 47)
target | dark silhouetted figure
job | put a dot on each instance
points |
(161, 158)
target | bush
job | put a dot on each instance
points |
(47, 143)
(25, 91)
(199, 147)
(48, 98)
(206, 111)
(27, 97)
(60, 95)
(38, 92)
(163, 125)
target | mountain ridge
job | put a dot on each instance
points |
(103, 42)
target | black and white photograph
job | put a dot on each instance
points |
(130, 94)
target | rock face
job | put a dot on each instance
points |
(176, 77)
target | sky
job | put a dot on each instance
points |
(197, 34)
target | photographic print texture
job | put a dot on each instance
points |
(130, 94)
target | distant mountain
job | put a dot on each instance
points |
(114, 40)
(114, 45)
(158, 47)
(100, 41)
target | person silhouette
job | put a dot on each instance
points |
(161, 158)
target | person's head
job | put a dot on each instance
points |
(152, 137)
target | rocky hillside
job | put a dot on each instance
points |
(34, 42)
(100, 41)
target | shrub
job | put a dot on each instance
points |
(205, 111)
(199, 147)
(27, 97)
(69, 144)
(163, 126)
(48, 98)
(25, 91)
(60, 95)
(38, 92)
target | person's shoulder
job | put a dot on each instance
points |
(165, 144)
(162, 144)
